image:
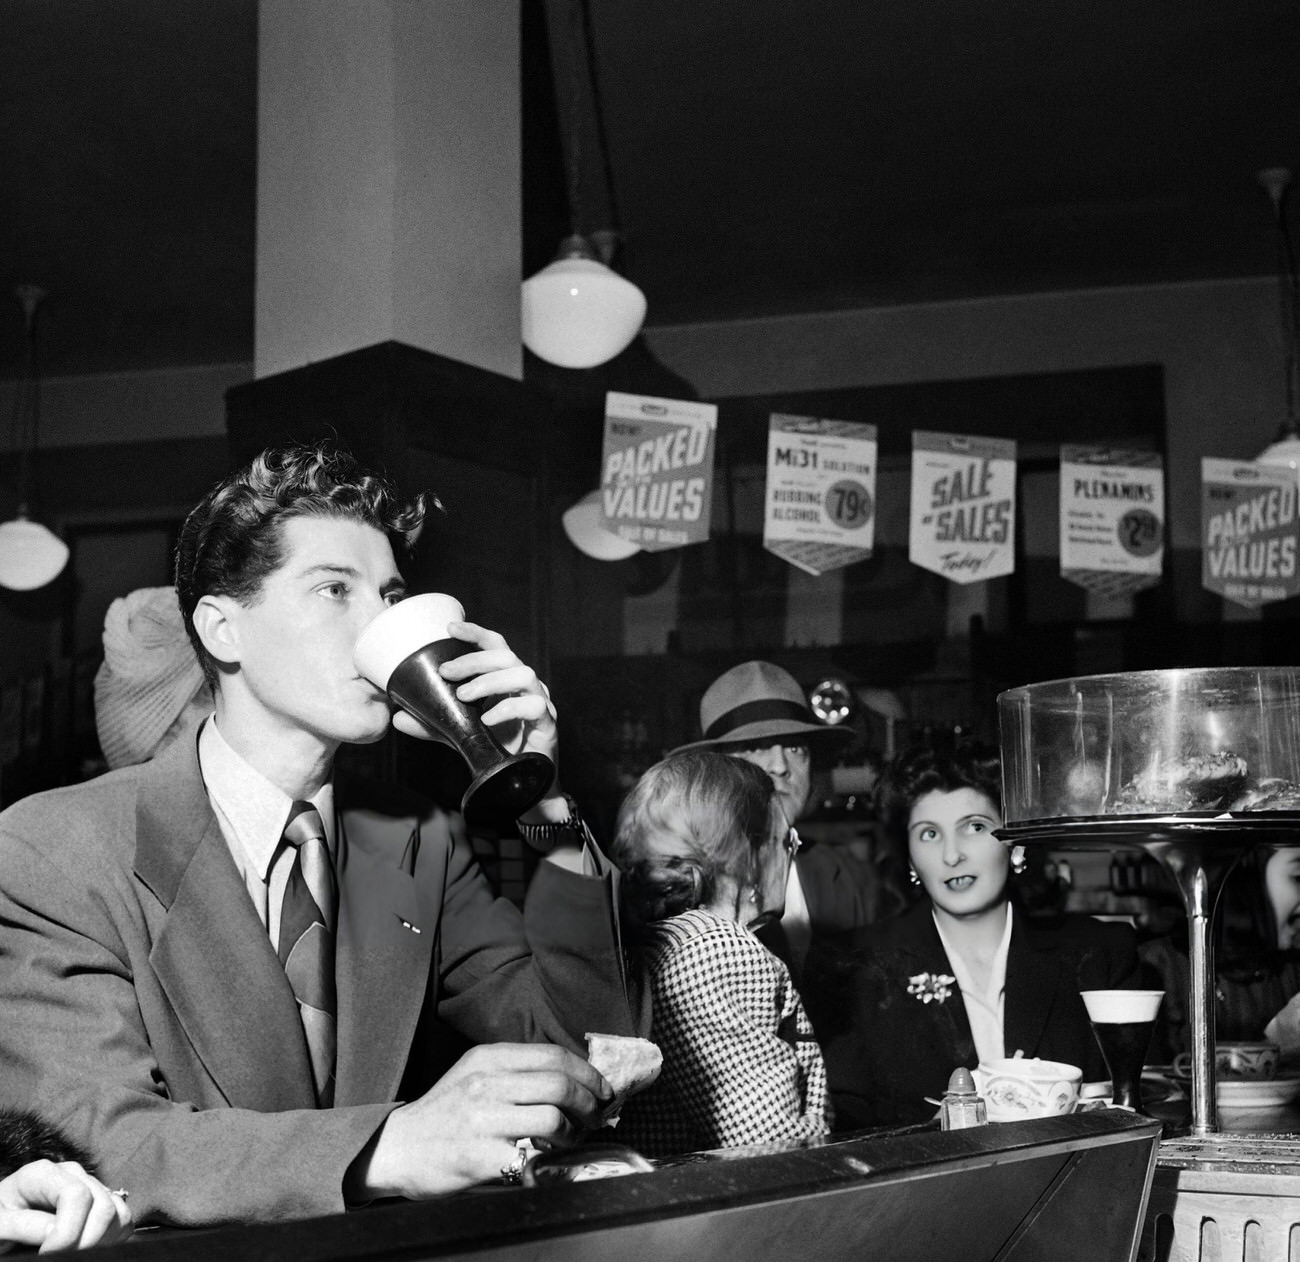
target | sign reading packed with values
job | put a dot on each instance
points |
(1248, 531)
(963, 519)
(820, 509)
(1112, 519)
(656, 483)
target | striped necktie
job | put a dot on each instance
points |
(306, 944)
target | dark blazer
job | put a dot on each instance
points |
(145, 1011)
(841, 893)
(886, 1050)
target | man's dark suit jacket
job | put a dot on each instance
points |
(886, 1050)
(145, 1011)
(841, 893)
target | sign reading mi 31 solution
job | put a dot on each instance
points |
(820, 505)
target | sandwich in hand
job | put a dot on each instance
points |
(629, 1065)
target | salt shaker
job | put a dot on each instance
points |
(962, 1105)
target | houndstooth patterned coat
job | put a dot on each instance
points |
(741, 1062)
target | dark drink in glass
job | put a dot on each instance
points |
(400, 651)
(1122, 1022)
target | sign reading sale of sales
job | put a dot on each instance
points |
(656, 482)
(821, 492)
(963, 518)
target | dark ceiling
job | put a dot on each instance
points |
(768, 157)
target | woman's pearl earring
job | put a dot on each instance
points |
(911, 876)
(1018, 861)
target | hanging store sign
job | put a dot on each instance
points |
(656, 486)
(963, 518)
(820, 504)
(1112, 519)
(1248, 532)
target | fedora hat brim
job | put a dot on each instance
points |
(768, 731)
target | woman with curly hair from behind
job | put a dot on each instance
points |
(705, 848)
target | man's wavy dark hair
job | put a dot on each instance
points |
(234, 537)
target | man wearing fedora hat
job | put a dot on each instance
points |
(757, 711)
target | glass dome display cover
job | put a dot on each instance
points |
(1204, 744)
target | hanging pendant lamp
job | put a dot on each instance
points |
(31, 555)
(578, 312)
(1284, 450)
(585, 526)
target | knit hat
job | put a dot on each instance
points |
(149, 675)
(757, 703)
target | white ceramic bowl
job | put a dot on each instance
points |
(1020, 1087)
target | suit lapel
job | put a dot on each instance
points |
(212, 955)
(924, 953)
(1033, 974)
(384, 953)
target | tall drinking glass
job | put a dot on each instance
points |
(1122, 1021)
(400, 651)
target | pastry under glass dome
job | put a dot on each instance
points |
(1195, 743)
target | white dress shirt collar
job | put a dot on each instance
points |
(248, 807)
(984, 1010)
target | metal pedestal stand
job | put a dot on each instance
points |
(1198, 852)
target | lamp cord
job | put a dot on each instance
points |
(577, 71)
(1288, 281)
(586, 110)
(26, 422)
(598, 118)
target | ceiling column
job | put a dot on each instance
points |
(388, 180)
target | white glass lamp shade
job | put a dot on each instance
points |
(578, 313)
(30, 555)
(585, 526)
(1283, 450)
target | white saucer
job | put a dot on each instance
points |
(1258, 1093)
(1248, 1093)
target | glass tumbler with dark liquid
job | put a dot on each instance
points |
(1122, 1021)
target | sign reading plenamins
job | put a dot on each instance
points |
(1248, 532)
(963, 517)
(1112, 519)
(820, 503)
(656, 484)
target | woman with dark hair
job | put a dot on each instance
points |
(961, 977)
(705, 847)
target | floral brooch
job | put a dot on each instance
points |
(931, 987)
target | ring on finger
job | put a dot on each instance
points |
(514, 1172)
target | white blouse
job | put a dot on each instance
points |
(984, 1010)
